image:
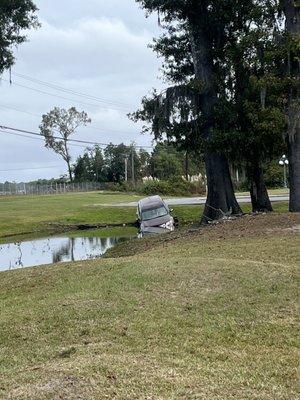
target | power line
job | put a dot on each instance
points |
(39, 139)
(54, 137)
(65, 98)
(63, 89)
(5, 128)
(39, 116)
(30, 169)
(20, 135)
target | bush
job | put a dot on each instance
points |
(119, 187)
(242, 186)
(173, 187)
(274, 175)
(155, 187)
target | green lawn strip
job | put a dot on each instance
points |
(279, 207)
(272, 192)
(192, 214)
(198, 319)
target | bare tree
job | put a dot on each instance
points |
(57, 126)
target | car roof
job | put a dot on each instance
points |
(150, 202)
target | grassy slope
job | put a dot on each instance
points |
(32, 214)
(208, 316)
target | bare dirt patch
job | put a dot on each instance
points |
(255, 224)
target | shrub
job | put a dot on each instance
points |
(119, 187)
(173, 187)
(155, 187)
(274, 175)
(242, 186)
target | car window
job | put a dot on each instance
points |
(154, 213)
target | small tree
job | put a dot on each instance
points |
(15, 17)
(57, 126)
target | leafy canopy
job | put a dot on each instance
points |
(248, 60)
(15, 17)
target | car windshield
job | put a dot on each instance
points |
(154, 213)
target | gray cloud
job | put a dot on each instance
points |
(97, 47)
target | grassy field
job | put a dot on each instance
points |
(33, 216)
(209, 314)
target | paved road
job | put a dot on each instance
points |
(202, 200)
(189, 201)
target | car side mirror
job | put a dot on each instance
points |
(171, 210)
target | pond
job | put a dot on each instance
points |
(54, 250)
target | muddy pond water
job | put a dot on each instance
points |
(52, 250)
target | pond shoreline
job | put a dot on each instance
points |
(52, 229)
(53, 250)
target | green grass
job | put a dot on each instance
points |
(204, 317)
(32, 216)
(191, 214)
(279, 191)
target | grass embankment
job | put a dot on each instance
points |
(32, 216)
(209, 315)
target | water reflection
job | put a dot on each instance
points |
(54, 250)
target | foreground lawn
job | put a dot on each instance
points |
(206, 315)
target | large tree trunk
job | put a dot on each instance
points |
(221, 198)
(294, 171)
(292, 13)
(259, 194)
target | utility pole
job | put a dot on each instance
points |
(186, 166)
(132, 164)
(126, 168)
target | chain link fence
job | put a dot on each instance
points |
(23, 189)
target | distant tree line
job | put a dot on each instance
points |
(118, 163)
(166, 161)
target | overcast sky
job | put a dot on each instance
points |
(97, 47)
